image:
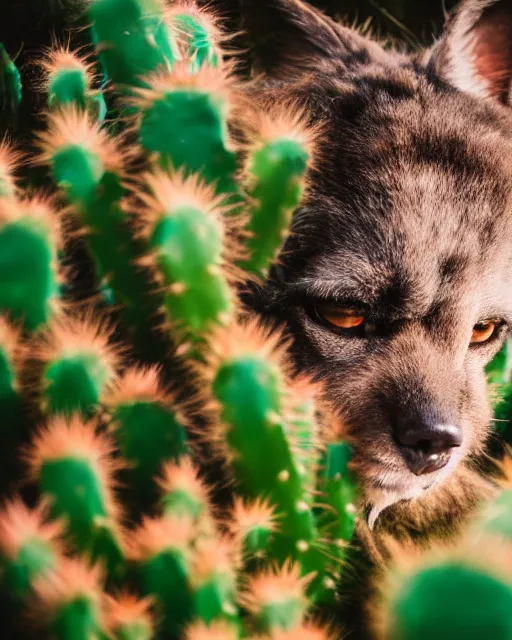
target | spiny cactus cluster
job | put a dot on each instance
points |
(135, 386)
(118, 390)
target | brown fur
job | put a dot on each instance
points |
(409, 213)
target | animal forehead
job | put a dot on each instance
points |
(415, 177)
(388, 115)
(406, 203)
(412, 234)
(412, 190)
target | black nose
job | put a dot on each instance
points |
(425, 445)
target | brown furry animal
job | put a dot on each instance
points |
(396, 283)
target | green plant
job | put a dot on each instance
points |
(136, 381)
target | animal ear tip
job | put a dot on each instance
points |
(302, 35)
(475, 52)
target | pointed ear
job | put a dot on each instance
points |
(475, 52)
(292, 36)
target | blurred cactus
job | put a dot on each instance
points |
(68, 601)
(461, 593)
(130, 618)
(29, 546)
(11, 90)
(75, 469)
(29, 272)
(70, 81)
(139, 378)
(139, 406)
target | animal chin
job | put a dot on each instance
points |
(384, 494)
(382, 498)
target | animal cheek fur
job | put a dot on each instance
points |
(477, 412)
(370, 397)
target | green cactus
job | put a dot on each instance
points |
(29, 278)
(132, 37)
(78, 364)
(184, 495)
(29, 547)
(255, 435)
(250, 391)
(195, 32)
(186, 237)
(196, 106)
(164, 214)
(161, 548)
(451, 599)
(213, 580)
(74, 467)
(11, 89)
(499, 369)
(276, 168)
(340, 494)
(146, 426)
(69, 601)
(70, 82)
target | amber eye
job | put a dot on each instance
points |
(340, 317)
(483, 331)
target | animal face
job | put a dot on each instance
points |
(396, 282)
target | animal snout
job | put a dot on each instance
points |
(425, 445)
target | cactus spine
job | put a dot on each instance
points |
(9, 161)
(129, 618)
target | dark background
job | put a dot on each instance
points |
(29, 23)
(28, 26)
